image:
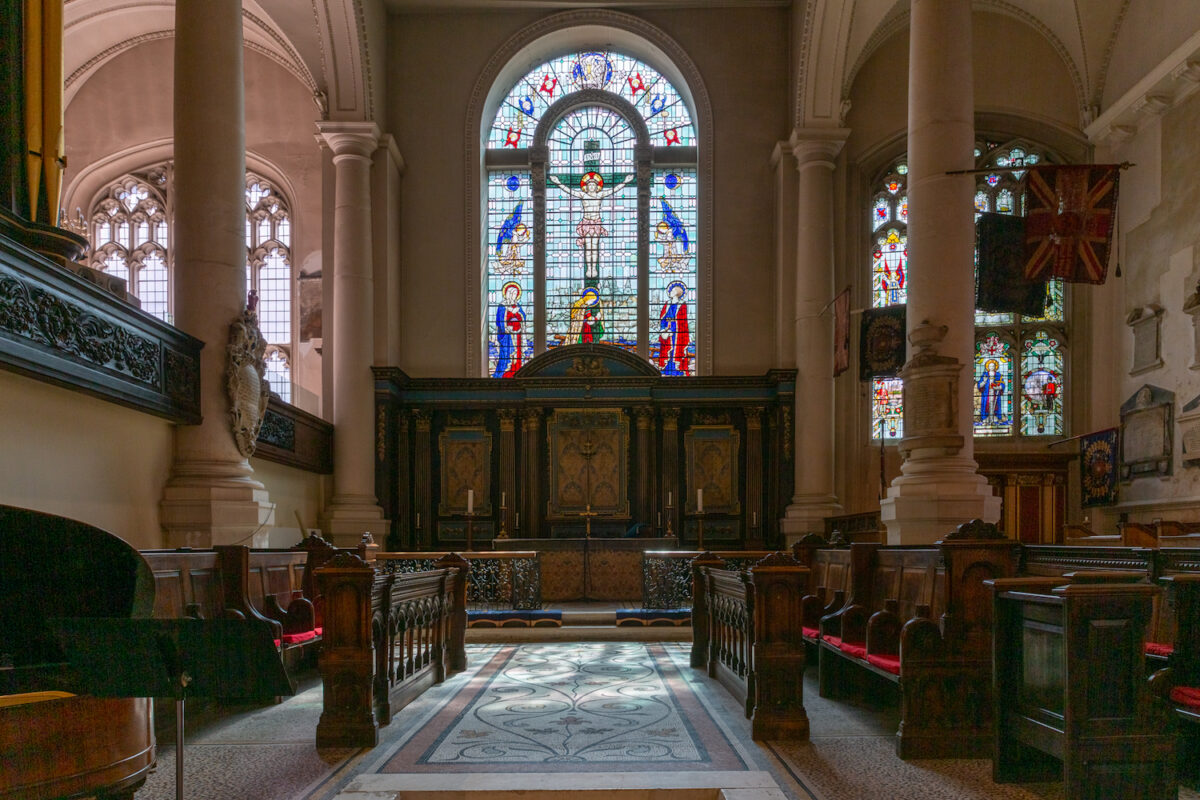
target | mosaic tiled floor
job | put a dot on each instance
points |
(562, 708)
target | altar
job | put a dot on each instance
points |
(590, 569)
(584, 437)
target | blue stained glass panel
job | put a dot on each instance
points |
(656, 99)
(1042, 387)
(510, 288)
(591, 231)
(672, 271)
(993, 386)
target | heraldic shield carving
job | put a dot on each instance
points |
(245, 378)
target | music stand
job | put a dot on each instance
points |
(230, 659)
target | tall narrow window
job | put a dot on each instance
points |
(591, 218)
(269, 272)
(1019, 361)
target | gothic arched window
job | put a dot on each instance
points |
(591, 222)
(269, 272)
(1020, 361)
(129, 238)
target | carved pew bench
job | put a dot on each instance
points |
(920, 619)
(828, 586)
(1179, 682)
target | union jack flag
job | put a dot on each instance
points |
(1069, 221)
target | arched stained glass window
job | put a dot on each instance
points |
(591, 218)
(129, 237)
(1017, 393)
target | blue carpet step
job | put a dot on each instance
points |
(514, 619)
(654, 617)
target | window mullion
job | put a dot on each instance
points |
(538, 156)
(643, 154)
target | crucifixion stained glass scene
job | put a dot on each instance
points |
(598, 286)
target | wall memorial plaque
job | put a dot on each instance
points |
(1146, 433)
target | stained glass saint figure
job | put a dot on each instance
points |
(674, 335)
(591, 228)
(510, 325)
(672, 234)
(586, 313)
(513, 234)
(991, 394)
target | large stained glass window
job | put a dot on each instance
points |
(574, 253)
(1017, 392)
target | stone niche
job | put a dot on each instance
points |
(1147, 428)
(1146, 324)
(1189, 432)
(1191, 307)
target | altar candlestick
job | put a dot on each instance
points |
(699, 501)
(470, 501)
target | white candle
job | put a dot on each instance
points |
(668, 499)
(754, 523)
(699, 501)
(470, 500)
(502, 500)
(660, 519)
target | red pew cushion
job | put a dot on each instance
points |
(1158, 649)
(836, 641)
(1186, 696)
(811, 633)
(299, 638)
(851, 649)
(888, 663)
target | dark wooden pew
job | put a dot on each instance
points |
(828, 586)
(388, 637)
(745, 633)
(1179, 682)
(920, 618)
(1070, 690)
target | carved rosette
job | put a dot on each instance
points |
(245, 381)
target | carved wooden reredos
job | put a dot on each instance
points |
(583, 426)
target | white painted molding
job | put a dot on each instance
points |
(1164, 87)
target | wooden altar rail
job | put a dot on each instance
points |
(388, 637)
(667, 574)
(746, 634)
(495, 581)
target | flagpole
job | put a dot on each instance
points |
(1073, 438)
(1024, 167)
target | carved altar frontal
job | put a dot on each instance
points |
(585, 439)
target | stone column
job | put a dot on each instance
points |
(353, 510)
(939, 486)
(813, 499)
(211, 497)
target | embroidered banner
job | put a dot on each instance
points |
(1000, 284)
(841, 332)
(1069, 221)
(882, 348)
(1098, 467)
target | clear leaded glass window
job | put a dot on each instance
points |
(129, 238)
(269, 273)
(1019, 361)
(573, 252)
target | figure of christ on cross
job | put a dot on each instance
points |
(591, 228)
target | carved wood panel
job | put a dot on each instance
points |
(712, 453)
(466, 459)
(589, 462)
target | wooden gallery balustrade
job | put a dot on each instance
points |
(388, 637)
(746, 633)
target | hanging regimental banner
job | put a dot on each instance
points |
(841, 332)
(1069, 221)
(1098, 468)
(1000, 284)
(882, 346)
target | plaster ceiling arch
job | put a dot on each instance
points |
(323, 43)
(838, 36)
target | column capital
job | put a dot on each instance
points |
(817, 147)
(354, 139)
